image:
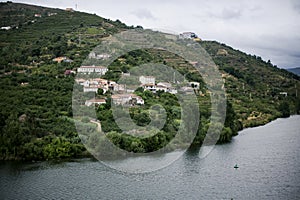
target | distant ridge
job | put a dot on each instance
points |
(295, 70)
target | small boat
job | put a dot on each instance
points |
(236, 166)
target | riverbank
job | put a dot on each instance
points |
(267, 156)
(67, 151)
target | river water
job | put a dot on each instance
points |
(269, 168)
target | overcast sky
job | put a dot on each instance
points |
(267, 28)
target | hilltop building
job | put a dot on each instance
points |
(69, 9)
(189, 35)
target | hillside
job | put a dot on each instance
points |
(255, 87)
(295, 70)
(36, 111)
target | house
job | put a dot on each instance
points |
(69, 9)
(139, 100)
(92, 55)
(111, 85)
(62, 59)
(194, 85)
(67, 60)
(283, 93)
(172, 91)
(127, 99)
(119, 87)
(147, 80)
(102, 56)
(51, 14)
(100, 81)
(92, 85)
(59, 59)
(222, 52)
(90, 89)
(150, 87)
(24, 83)
(69, 72)
(6, 28)
(166, 87)
(92, 69)
(188, 35)
(160, 88)
(37, 15)
(164, 84)
(95, 101)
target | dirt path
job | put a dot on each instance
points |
(98, 124)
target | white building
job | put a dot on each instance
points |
(92, 69)
(90, 89)
(164, 84)
(51, 14)
(150, 87)
(139, 100)
(166, 87)
(119, 87)
(5, 28)
(161, 88)
(284, 93)
(102, 56)
(127, 99)
(147, 80)
(95, 102)
(188, 35)
(195, 85)
(173, 91)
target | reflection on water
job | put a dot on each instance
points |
(267, 156)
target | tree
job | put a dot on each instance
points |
(284, 108)
(100, 91)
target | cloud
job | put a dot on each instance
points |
(296, 5)
(230, 14)
(227, 13)
(143, 14)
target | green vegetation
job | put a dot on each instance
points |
(36, 110)
(256, 88)
(35, 94)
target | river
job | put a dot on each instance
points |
(269, 168)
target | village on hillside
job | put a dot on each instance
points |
(122, 94)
